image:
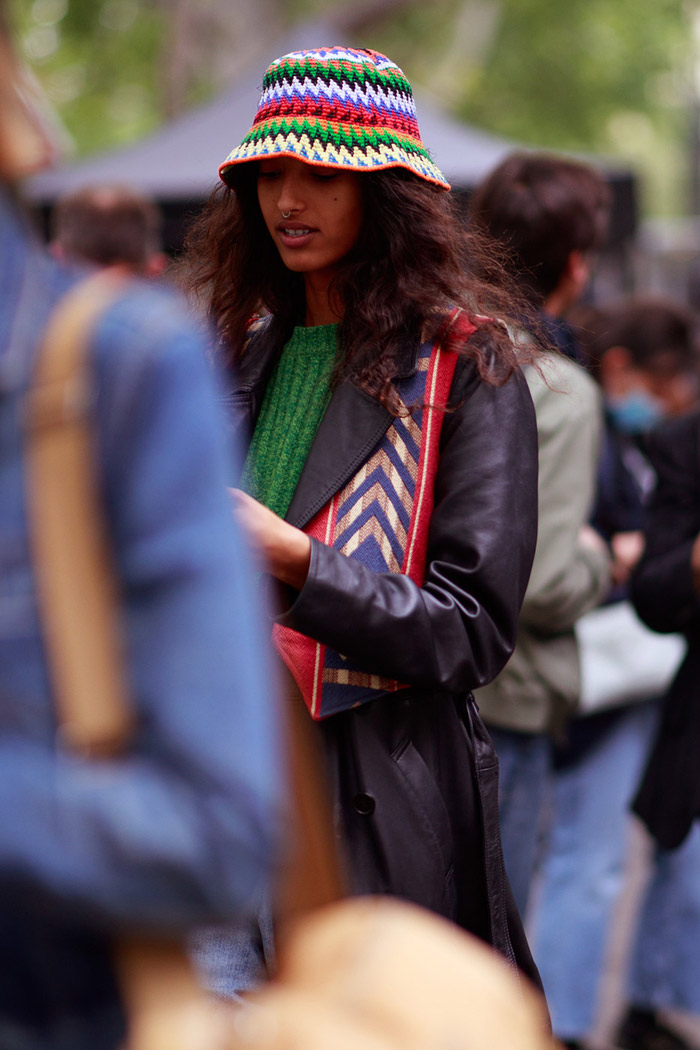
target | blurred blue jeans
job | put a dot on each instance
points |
(234, 959)
(524, 769)
(582, 878)
(665, 970)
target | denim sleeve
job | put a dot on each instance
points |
(182, 829)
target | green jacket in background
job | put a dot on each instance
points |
(539, 687)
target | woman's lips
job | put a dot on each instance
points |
(295, 234)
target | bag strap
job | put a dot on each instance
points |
(75, 578)
(78, 598)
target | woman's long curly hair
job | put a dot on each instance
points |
(414, 261)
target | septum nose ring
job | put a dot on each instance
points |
(286, 214)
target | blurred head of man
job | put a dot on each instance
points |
(109, 225)
(551, 213)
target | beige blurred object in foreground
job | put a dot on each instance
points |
(379, 974)
(28, 142)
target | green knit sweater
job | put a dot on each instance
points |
(295, 400)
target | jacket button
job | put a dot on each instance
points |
(364, 804)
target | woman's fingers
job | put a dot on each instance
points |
(286, 549)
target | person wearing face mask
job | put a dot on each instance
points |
(642, 353)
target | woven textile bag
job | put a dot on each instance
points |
(362, 974)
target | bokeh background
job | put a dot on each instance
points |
(618, 79)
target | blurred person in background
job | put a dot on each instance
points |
(665, 589)
(643, 353)
(181, 830)
(548, 215)
(109, 225)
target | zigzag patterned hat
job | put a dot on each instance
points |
(340, 108)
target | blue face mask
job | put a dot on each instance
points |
(636, 412)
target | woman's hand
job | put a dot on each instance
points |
(285, 549)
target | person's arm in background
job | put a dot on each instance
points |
(571, 571)
(183, 828)
(665, 588)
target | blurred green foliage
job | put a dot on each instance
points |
(605, 76)
(98, 62)
(557, 73)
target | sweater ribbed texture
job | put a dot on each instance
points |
(295, 400)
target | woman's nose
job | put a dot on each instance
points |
(290, 198)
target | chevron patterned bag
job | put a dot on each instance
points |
(381, 518)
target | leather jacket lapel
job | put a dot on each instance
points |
(245, 390)
(353, 424)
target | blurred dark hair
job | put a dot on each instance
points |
(659, 334)
(107, 224)
(414, 260)
(542, 207)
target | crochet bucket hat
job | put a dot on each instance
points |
(341, 108)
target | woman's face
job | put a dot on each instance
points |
(324, 208)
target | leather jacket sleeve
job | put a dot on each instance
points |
(457, 630)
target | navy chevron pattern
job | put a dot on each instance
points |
(373, 519)
(376, 506)
(381, 518)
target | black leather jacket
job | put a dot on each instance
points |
(664, 594)
(414, 773)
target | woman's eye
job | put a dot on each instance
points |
(325, 176)
(268, 174)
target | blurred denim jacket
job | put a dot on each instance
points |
(183, 829)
